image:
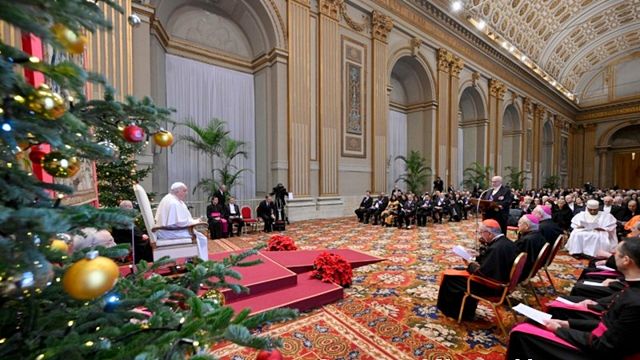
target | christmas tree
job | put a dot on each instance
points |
(47, 310)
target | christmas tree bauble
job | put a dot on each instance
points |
(59, 165)
(133, 133)
(163, 138)
(214, 295)
(46, 103)
(111, 148)
(59, 245)
(269, 355)
(90, 278)
(70, 40)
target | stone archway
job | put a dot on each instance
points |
(220, 60)
(411, 115)
(472, 130)
(512, 138)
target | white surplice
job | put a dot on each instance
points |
(588, 242)
(174, 212)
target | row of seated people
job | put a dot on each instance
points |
(222, 215)
(601, 319)
(495, 260)
(402, 210)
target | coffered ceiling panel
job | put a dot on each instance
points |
(568, 39)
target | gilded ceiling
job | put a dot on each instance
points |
(569, 39)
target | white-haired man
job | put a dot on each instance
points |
(503, 198)
(172, 211)
(549, 229)
(593, 230)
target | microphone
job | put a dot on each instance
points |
(478, 214)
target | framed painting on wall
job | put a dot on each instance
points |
(353, 98)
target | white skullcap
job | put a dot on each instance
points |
(593, 204)
(177, 185)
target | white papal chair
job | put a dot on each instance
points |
(174, 248)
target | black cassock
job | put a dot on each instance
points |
(495, 263)
(615, 336)
(531, 243)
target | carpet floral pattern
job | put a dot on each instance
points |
(389, 312)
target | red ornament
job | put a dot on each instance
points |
(133, 133)
(269, 355)
(36, 155)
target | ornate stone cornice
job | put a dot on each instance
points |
(497, 88)
(330, 8)
(538, 111)
(443, 60)
(456, 66)
(381, 25)
(352, 24)
(610, 111)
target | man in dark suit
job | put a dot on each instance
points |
(233, 216)
(575, 209)
(365, 204)
(221, 194)
(502, 196)
(438, 184)
(267, 212)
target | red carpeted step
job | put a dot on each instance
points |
(307, 294)
(301, 261)
(258, 278)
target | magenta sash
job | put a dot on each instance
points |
(604, 273)
(560, 305)
(543, 333)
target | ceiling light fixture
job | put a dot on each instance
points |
(456, 6)
(481, 24)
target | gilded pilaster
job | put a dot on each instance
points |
(299, 85)
(590, 153)
(496, 95)
(329, 95)
(381, 25)
(525, 145)
(538, 114)
(455, 67)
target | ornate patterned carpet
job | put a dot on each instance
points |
(390, 312)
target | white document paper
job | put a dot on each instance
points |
(565, 301)
(290, 197)
(593, 283)
(462, 252)
(589, 225)
(533, 314)
(604, 267)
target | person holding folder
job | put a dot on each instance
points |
(503, 198)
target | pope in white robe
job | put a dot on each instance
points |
(172, 211)
(593, 230)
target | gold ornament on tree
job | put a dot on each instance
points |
(46, 103)
(73, 43)
(214, 295)
(61, 242)
(163, 138)
(59, 165)
(90, 277)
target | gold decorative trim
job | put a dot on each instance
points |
(352, 24)
(497, 88)
(330, 8)
(381, 25)
(623, 109)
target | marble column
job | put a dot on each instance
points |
(538, 114)
(496, 96)
(455, 66)
(381, 25)
(442, 129)
(329, 94)
(525, 146)
(299, 83)
(590, 154)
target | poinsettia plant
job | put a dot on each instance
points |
(330, 267)
(281, 243)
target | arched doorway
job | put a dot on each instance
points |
(212, 65)
(410, 115)
(546, 166)
(624, 147)
(472, 130)
(512, 138)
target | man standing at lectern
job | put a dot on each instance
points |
(502, 196)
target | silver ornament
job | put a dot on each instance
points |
(134, 20)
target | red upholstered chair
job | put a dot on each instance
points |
(554, 251)
(248, 218)
(540, 261)
(507, 288)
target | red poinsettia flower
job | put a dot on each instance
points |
(281, 243)
(330, 267)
